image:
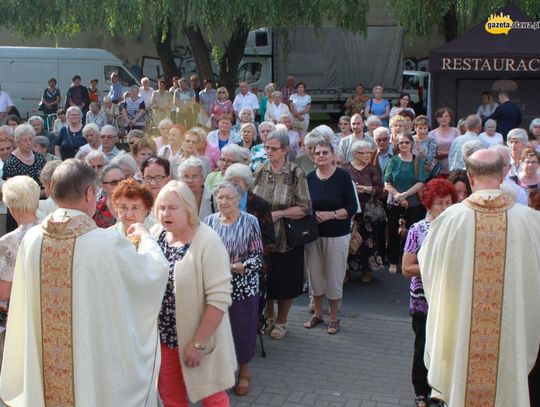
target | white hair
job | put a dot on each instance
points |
(34, 118)
(21, 194)
(92, 155)
(490, 122)
(90, 127)
(111, 128)
(470, 147)
(239, 171)
(373, 119)
(534, 122)
(518, 133)
(323, 131)
(23, 129)
(193, 162)
(381, 130)
(126, 161)
(233, 149)
(360, 144)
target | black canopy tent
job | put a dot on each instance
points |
(464, 68)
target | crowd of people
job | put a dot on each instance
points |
(208, 195)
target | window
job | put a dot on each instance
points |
(125, 78)
(249, 72)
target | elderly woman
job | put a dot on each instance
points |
(96, 115)
(258, 153)
(283, 185)
(306, 161)
(161, 103)
(197, 349)
(534, 138)
(437, 196)
(174, 147)
(23, 160)
(164, 126)
(368, 183)
(193, 172)
(444, 134)
(133, 136)
(91, 133)
(248, 133)
(404, 177)
(142, 150)
(517, 140)
(397, 127)
(156, 173)
(70, 138)
(230, 154)
(128, 165)
(221, 106)
(97, 160)
(489, 135)
(47, 206)
(224, 134)
(39, 126)
(300, 104)
(132, 202)
(106, 215)
(334, 204)
(246, 116)
(205, 149)
(41, 144)
(111, 111)
(241, 235)
(50, 100)
(378, 106)
(21, 196)
(241, 175)
(134, 113)
(276, 108)
(344, 125)
(372, 122)
(207, 96)
(528, 177)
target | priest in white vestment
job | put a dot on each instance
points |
(480, 269)
(82, 327)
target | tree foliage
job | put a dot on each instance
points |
(224, 24)
(420, 17)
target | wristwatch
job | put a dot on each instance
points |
(198, 345)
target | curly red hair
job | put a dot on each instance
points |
(131, 189)
(438, 188)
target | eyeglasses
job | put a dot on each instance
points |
(108, 137)
(114, 182)
(274, 149)
(157, 179)
(382, 139)
(326, 152)
(404, 142)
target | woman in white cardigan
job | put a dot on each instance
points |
(198, 359)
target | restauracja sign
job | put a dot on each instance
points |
(491, 64)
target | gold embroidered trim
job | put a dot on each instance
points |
(56, 267)
(487, 294)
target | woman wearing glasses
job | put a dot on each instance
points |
(404, 177)
(71, 137)
(283, 185)
(368, 182)
(106, 215)
(334, 203)
(156, 173)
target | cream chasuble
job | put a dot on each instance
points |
(479, 352)
(82, 328)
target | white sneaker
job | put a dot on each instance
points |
(392, 269)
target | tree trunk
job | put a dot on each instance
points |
(201, 54)
(165, 53)
(450, 23)
(228, 67)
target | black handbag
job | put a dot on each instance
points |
(301, 231)
(374, 211)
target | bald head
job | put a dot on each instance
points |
(485, 169)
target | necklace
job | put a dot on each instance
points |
(23, 158)
(320, 175)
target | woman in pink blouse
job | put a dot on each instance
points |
(444, 135)
(222, 105)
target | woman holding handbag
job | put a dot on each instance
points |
(334, 204)
(368, 183)
(283, 185)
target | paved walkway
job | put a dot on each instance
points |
(366, 365)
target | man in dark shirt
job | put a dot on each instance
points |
(507, 115)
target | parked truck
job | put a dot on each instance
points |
(25, 71)
(331, 62)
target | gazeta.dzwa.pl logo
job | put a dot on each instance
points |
(499, 24)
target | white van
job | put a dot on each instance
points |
(25, 71)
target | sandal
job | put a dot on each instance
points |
(313, 322)
(279, 331)
(421, 401)
(242, 390)
(333, 327)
